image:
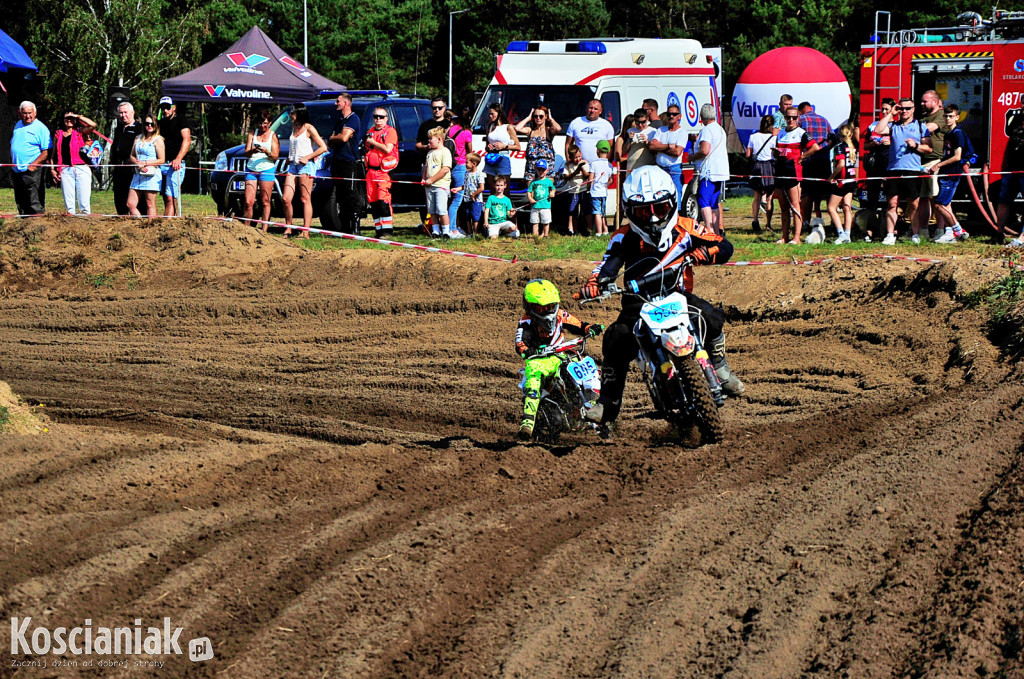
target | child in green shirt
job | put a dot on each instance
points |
(539, 194)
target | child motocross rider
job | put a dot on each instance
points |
(541, 325)
(657, 238)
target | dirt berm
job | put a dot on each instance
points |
(307, 458)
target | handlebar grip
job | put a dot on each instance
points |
(651, 283)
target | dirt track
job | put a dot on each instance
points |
(307, 457)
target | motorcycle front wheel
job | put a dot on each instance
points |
(690, 379)
(551, 422)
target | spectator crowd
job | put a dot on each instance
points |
(913, 163)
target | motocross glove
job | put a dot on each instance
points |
(590, 289)
(701, 255)
(593, 330)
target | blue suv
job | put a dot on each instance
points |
(227, 181)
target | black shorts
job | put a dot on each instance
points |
(816, 170)
(785, 183)
(844, 189)
(907, 186)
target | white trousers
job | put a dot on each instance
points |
(76, 182)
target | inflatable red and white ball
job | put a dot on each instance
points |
(805, 73)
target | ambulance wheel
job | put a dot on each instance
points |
(688, 206)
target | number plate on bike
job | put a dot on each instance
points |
(584, 370)
(665, 313)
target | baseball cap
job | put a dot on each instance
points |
(541, 164)
(603, 145)
(166, 100)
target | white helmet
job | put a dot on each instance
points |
(650, 202)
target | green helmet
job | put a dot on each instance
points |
(540, 299)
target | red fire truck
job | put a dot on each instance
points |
(977, 65)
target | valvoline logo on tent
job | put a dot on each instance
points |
(236, 93)
(244, 63)
(252, 61)
(288, 61)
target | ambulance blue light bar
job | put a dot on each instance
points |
(588, 46)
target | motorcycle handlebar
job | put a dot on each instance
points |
(658, 281)
(574, 345)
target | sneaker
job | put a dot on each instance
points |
(435, 234)
(889, 239)
(867, 239)
(915, 239)
(962, 236)
(456, 235)
(755, 226)
(947, 237)
(526, 431)
(1015, 243)
(844, 237)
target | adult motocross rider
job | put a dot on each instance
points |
(656, 239)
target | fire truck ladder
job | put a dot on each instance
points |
(876, 66)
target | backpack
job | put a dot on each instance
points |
(968, 155)
(449, 140)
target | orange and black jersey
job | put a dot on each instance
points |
(529, 336)
(627, 249)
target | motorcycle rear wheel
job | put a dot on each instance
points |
(709, 419)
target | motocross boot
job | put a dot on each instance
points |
(526, 430)
(731, 384)
(596, 413)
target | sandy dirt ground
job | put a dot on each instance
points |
(307, 457)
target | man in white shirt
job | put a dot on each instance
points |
(669, 143)
(587, 130)
(711, 163)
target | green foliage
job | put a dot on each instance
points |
(99, 281)
(5, 416)
(84, 46)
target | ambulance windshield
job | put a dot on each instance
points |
(565, 102)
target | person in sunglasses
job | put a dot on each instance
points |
(656, 238)
(381, 158)
(540, 128)
(442, 118)
(909, 140)
(791, 147)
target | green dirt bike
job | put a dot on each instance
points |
(566, 397)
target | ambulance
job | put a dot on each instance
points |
(977, 64)
(621, 72)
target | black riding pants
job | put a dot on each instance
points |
(620, 347)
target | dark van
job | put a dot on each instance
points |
(227, 181)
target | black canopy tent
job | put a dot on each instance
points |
(253, 70)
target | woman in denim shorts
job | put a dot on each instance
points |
(262, 148)
(302, 167)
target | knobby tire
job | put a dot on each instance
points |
(692, 381)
